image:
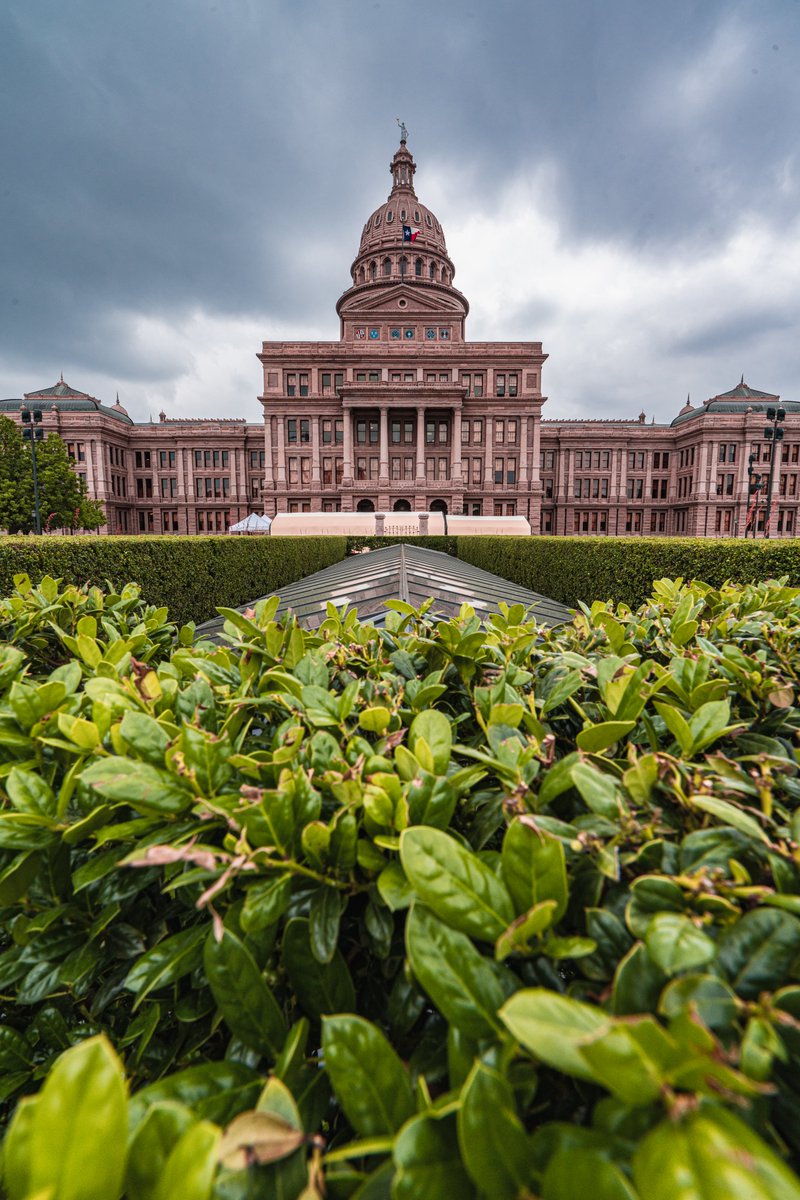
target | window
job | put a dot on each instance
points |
(327, 432)
(408, 431)
(361, 432)
(408, 468)
(498, 470)
(291, 430)
(635, 489)
(499, 430)
(294, 470)
(374, 432)
(387, 266)
(305, 471)
(444, 431)
(338, 431)
(511, 431)
(511, 470)
(636, 460)
(465, 429)
(430, 431)
(430, 468)
(658, 489)
(418, 267)
(396, 431)
(477, 472)
(396, 467)
(499, 385)
(361, 468)
(305, 431)
(477, 431)
(166, 458)
(443, 469)
(142, 460)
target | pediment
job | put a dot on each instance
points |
(389, 303)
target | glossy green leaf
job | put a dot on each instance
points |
(369, 1080)
(427, 1162)
(166, 962)
(454, 883)
(154, 1140)
(145, 788)
(250, 1010)
(596, 738)
(755, 954)
(189, 1170)
(434, 728)
(553, 1027)
(576, 1171)
(494, 1145)
(324, 917)
(321, 988)
(29, 793)
(83, 1103)
(534, 868)
(711, 1155)
(463, 984)
(675, 944)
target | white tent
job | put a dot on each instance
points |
(254, 523)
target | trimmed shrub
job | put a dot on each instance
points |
(623, 569)
(427, 911)
(192, 576)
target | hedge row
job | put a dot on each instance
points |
(623, 569)
(190, 575)
(445, 545)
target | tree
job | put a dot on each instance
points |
(64, 502)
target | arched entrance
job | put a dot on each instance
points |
(401, 506)
(365, 506)
(438, 506)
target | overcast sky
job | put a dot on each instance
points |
(181, 179)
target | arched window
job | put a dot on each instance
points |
(403, 264)
(373, 270)
(418, 267)
(361, 276)
(416, 216)
(444, 274)
(365, 506)
(432, 271)
(387, 266)
(402, 214)
(389, 217)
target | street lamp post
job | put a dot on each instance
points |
(755, 484)
(775, 435)
(34, 433)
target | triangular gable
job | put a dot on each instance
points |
(418, 303)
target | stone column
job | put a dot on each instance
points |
(420, 443)
(269, 475)
(456, 472)
(488, 454)
(347, 414)
(281, 465)
(315, 463)
(383, 473)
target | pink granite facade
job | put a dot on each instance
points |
(403, 413)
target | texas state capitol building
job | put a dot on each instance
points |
(404, 413)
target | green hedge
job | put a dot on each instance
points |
(191, 575)
(623, 569)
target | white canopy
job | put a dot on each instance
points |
(254, 523)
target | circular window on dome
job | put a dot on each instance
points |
(444, 334)
(430, 334)
(409, 333)
(389, 217)
(402, 303)
(394, 334)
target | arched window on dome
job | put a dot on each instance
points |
(432, 271)
(444, 274)
(389, 217)
(377, 220)
(387, 266)
(418, 267)
(373, 270)
(416, 216)
(402, 214)
(361, 276)
(428, 221)
(403, 264)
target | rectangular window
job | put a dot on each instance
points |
(327, 470)
(465, 428)
(338, 432)
(512, 385)
(430, 468)
(444, 432)
(361, 468)
(294, 470)
(361, 432)
(498, 470)
(499, 385)
(511, 470)
(304, 384)
(397, 467)
(408, 468)
(305, 471)
(430, 432)
(305, 431)
(442, 472)
(291, 430)
(499, 430)
(477, 472)
(511, 432)
(327, 433)
(396, 431)
(408, 432)
(291, 383)
(374, 432)
(477, 432)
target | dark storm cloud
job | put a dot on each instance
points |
(159, 159)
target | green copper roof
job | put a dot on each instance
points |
(740, 399)
(66, 399)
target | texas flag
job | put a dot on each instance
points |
(409, 234)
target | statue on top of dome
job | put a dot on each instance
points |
(403, 130)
